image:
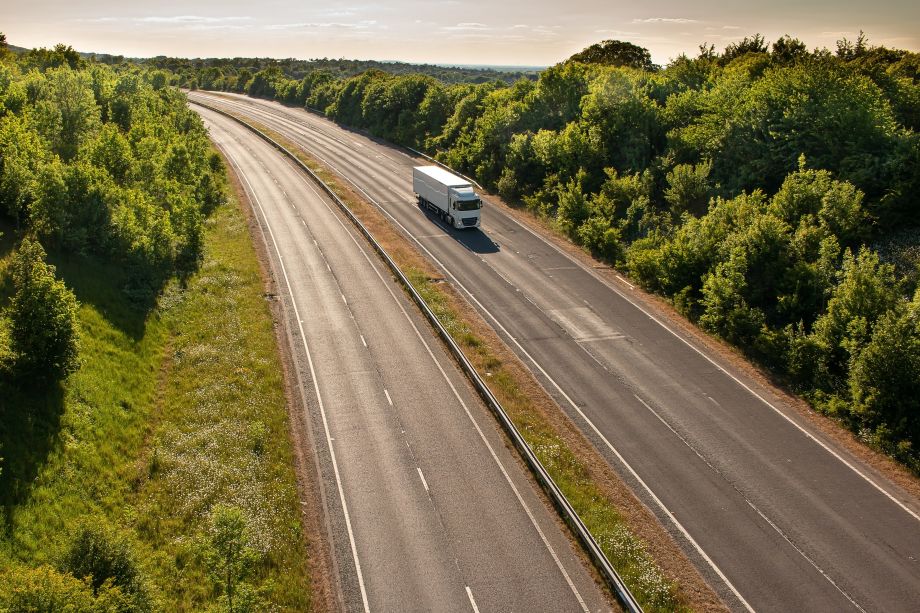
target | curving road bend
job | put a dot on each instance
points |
(428, 509)
(777, 516)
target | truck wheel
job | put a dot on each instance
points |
(450, 220)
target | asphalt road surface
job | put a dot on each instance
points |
(428, 509)
(774, 514)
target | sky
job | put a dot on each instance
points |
(497, 32)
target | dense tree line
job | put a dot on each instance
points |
(93, 162)
(236, 74)
(755, 187)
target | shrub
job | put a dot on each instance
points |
(104, 558)
(45, 590)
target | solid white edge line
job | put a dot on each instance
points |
(338, 480)
(469, 414)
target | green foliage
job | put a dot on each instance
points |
(230, 559)
(45, 590)
(43, 317)
(866, 290)
(237, 74)
(113, 164)
(105, 559)
(884, 380)
(615, 53)
(688, 188)
(127, 440)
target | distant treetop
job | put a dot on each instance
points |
(616, 53)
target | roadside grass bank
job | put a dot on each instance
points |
(172, 435)
(644, 555)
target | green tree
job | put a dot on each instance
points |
(787, 50)
(688, 188)
(71, 93)
(231, 558)
(836, 205)
(43, 313)
(616, 53)
(884, 379)
(866, 289)
(106, 559)
(752, 44)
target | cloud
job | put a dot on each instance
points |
(466, 26)
(325, 25)
(187, 22)
(189, 19)
(665, 20)
(622, 33)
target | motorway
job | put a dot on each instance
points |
(776, 515)
(427, 508)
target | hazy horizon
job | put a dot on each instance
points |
(460, 32)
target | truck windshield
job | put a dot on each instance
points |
(468, 205)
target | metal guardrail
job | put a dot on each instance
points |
(565, 508)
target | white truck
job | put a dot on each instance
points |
(448, 195)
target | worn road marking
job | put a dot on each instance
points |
(469, 593)
(422, 477)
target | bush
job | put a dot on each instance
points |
(45, 590)
(104, 558)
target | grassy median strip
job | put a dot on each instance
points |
(526, 403)
(176, 416)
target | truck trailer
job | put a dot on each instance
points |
(451, 197)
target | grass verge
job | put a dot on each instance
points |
(174, 410)
(561, 449)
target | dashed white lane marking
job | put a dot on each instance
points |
(422, 477)
(469, 593)
(363, 342)
(387, 394)
(345, 300)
